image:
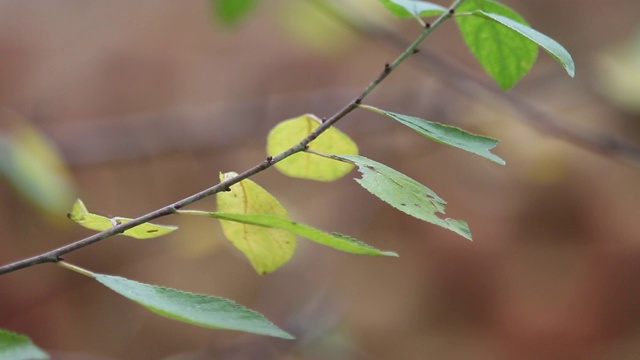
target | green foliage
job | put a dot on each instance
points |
(446, 134)
(197, 309)
(502, 52)
(403, 193)
(231, 12)
(334, 240)
(307, 166)
(18, 347)
(499, 38)
(251, 218)
(82, 216)
(266, 248)
(554, 49)
(412, 8)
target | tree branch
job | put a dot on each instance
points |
(55, 255)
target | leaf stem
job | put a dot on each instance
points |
(54, 256)
(77, 269)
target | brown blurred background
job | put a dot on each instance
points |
(147, 101)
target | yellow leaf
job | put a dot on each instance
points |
(83, 217)
(266, 248)
(307, 165)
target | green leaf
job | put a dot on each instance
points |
(197, 309)
(554, 49)
(266, 249)
(82, 216)
(231, 12)
(505, 54)
(334, 240)
(18, 347)
(307, 165)
(411, 8)
(446, 134)
(404, 193)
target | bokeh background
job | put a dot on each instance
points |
(147, 101)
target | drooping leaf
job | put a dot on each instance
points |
(334, 240)
(197, 309)
(446, 134)
(404, 193)
(82, 216)
(267, 249)
(19, 347)
(412, 8)
(554, 49)
(34, 168)
(231, 12)
(505, 54)
(306, 165)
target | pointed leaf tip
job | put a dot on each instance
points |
(551, 46)
(447, 134)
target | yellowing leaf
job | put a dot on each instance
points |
(82, 216)
(307, 165)
(267, 249)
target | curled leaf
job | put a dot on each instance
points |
(83, 217)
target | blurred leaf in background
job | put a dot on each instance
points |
(312, 24)
(618, 74)
(32, 165)
(232, 12)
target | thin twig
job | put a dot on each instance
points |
(55, 255)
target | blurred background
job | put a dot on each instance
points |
(132, 105)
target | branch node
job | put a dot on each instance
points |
(452, 11)
(358, 101)
(270, 159)
(427, 25)
(387, 68)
